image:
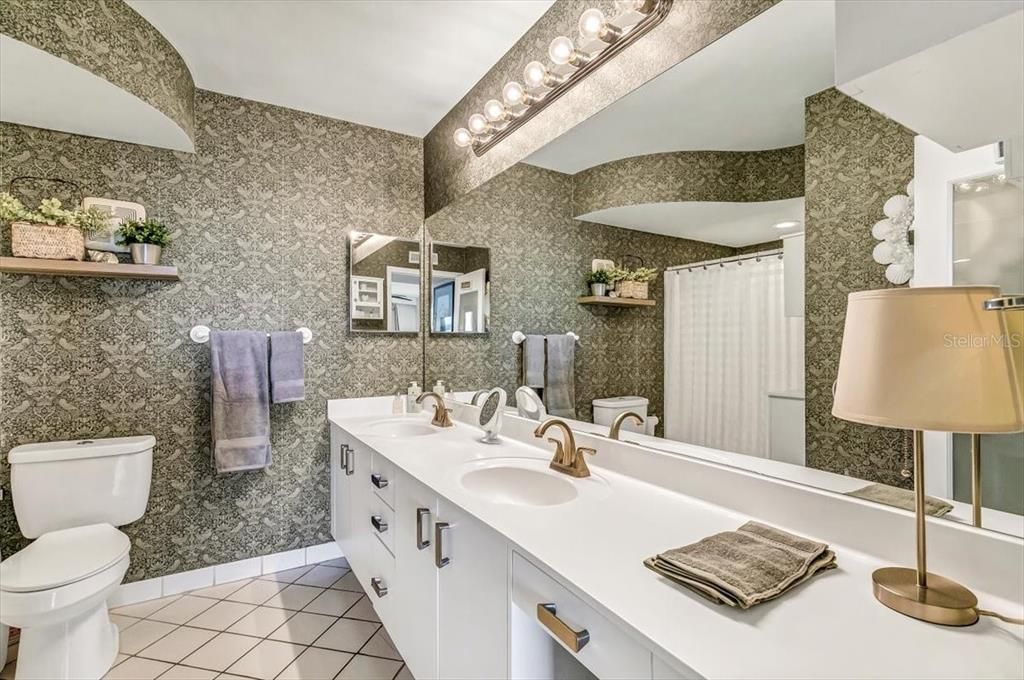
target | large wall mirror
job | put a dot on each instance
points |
(460, 288)
(384, 283)
(759, 209)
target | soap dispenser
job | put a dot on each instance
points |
(439, 388)
(413, 394)
(398, 405)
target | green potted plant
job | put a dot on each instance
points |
(145, 239)
(599, 281)
(49, 232)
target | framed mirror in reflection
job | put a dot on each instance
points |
(459, 289)
(384, 283)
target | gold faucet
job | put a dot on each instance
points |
(568, 457)
(441, 413)
(613, 433)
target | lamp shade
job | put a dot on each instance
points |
(928, 358)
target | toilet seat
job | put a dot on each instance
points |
(60, 558)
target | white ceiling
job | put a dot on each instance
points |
(727, 224)
(399, 65)
(744, 92)
(99, 109)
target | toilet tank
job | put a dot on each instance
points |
(59, 485)
(605, 411)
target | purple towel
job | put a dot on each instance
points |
(286, 367)
(240, 413)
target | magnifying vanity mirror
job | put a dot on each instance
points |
(384, 283)
(459, 288)
(759, 217)
(492, 407)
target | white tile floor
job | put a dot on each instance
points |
(308, 623)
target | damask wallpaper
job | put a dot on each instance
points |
(856, 158)
(539, 257)
(733, 176)
(690, 26)
(260, 215)
(110, 39)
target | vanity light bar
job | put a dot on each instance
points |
(599, 40)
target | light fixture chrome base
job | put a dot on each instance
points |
(943, 601)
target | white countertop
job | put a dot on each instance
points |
(830, 626)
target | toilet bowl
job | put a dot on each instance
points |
(56, 591)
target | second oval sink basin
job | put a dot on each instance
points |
(522, 482)
(400, 427)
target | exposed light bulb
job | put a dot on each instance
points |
(561, 50)
(513, 94)
(477, 124)
(534, 74)
(494, 110)
(591, 23)
(463, 137)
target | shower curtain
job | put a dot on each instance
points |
(728, 343)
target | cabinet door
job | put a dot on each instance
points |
(358, 552)
(415, 631)
(472, 596)
(341, 493)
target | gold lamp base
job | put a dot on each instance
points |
(943, 601)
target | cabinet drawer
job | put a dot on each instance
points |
(608, 652)
(382, 589)
(382, 479)
(380, 521)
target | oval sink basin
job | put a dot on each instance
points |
(525, 482)
(400, 427)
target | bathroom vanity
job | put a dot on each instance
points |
(483, 562)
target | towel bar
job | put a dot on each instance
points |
(519, 336)
(201, 334)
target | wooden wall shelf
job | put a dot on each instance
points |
(614, 302)
(28, 265)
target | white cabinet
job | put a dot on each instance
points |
(415, 633)
(786, 427)
(341, 490)
(472, 594)
(367, 297)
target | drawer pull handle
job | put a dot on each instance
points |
(343, 459)
(421, 542)
(378, 523)
(378, 481)
(573, 639)
(439, 557)
(378, 587)
(350, 461)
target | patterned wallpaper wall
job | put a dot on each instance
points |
(856, 158)
(734, 176)
(260, 214)
(539, 257)
(110, 39)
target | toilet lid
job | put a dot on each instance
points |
(61, 557)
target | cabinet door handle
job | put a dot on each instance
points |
(378, 523)
(378, 481)
(439, 558)
(421, 542)
(343, 459)
(575, 640)
(378, 587)
(350, 461)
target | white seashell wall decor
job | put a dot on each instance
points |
(895, 250)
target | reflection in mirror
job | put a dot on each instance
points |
(384, 283)
(761, 217)
(491, 411)
(459, 288)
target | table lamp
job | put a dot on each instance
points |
(927, 359)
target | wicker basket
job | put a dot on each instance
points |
(632, 289)
(46, 242)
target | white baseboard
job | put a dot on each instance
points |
(172, 584)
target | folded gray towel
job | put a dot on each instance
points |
(900, 498)
(286, 367)
(241, 400)
(560, 376)
(533, 361)
(745, 567)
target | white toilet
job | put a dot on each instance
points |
(69, 496)
(605, 411)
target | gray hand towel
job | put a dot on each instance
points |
(533, 361)
(560, 376)
(745, 567)
(900, 498)
(241, 400)
(286, 367)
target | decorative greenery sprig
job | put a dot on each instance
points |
(145, 231)
(600, 276)
(50, 212)
(640, 274)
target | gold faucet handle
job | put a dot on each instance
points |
(580, 450)
(559, 451)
